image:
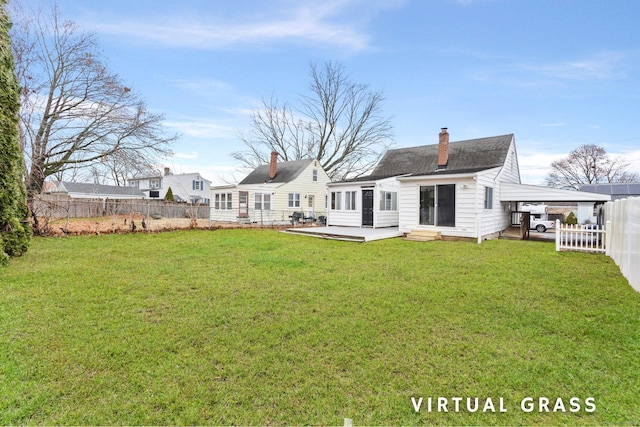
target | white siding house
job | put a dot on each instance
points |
(463, 189)
(458, 190)
(271, 194)
(450, 188)
(365, 202)
(185, 187)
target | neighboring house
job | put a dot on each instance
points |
(459, 189)
(616, 191)
(588, 212)
(78, 190)
(272, 193)
(186, 187)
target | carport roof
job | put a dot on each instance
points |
(512, 192)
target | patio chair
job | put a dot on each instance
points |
(296, 217)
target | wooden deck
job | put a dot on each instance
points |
(351, 234)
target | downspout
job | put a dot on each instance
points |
(478, 216)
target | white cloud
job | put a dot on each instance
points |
(516, 73)
(206, 85)
(201, 129)
(317, 22)
(534, 165)
(631, 156)
(601, 66)
(192, 155)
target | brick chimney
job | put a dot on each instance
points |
(273, 165)
(443, 149)
(167, 171)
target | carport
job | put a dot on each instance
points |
(511, 194)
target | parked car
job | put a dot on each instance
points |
(541, 225)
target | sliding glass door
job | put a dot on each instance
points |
(438, 205)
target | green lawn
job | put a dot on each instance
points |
(256, 327)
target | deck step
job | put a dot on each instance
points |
(311, 232)
(420, 235)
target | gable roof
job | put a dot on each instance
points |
(98, 189)
(467, 156)
(285, 172)
(168, 176)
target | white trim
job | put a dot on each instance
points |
(444, 176)
(511, 192)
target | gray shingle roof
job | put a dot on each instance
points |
(468, 156)
(113, 190)
(285, 172)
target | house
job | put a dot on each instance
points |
(463, 189)
(617, 191)
(271, 193)
(454, 188)
(185, 187)
(78, 190)
(370, 201)
(451, 188)
(589, 212)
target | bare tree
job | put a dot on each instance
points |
(339, 123)
(120, 166)
(588, 164)
(75, 112)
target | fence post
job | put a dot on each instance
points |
(607, 237)
(558, 232)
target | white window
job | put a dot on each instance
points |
(155, 183)
(222, 201)
(488, 197)
(197, 185)
(294, 200)
(315, 174)
(388, 201)
(135, 184)
(350, 200)
(336, 200)
(262, 201)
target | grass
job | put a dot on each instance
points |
(255, 327)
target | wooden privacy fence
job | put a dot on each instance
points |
(65, 207)
(575, 237)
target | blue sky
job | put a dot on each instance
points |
(556, 73)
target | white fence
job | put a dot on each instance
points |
(587, 238)
(623, 237)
